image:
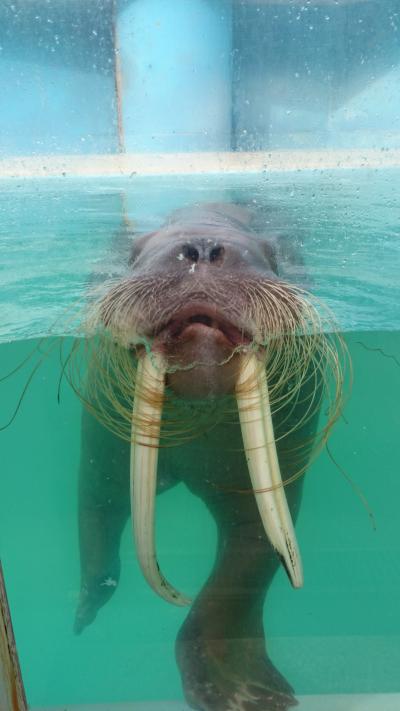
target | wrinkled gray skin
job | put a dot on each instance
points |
(220, 649)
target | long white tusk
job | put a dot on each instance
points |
(145, 436)
(260, 449)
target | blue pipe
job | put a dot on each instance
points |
(175, 74)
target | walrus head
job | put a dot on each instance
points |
(204, 314)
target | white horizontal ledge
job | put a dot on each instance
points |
(131, 164)
(339, 702)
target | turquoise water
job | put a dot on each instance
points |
(341, 633)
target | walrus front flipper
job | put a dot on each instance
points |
(104, 509)
(100, 533)
(103, 512)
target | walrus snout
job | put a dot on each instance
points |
(204, 250)
(184, 248)
(236, 253)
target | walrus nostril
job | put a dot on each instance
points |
(190, 253)
(216, 254)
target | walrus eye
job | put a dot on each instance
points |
(270, 255)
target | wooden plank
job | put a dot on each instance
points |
(12, 694)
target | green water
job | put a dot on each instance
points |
(340, 634)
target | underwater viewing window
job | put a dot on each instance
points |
(199, 355)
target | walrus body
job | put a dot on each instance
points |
(220, 648)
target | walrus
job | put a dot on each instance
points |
(204, 365)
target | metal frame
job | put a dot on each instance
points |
(12, 694)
